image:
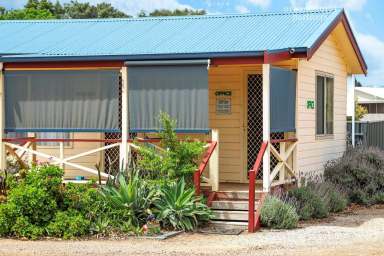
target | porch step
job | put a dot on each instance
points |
(231, 205)
(235, 195)
(229, 224)
(228, 215)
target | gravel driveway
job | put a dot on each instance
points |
(358, 232)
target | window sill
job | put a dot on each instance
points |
(325, 137)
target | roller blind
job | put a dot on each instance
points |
(62, 100)
(283, 99)
(177, 88)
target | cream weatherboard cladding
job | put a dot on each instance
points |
(314, 151)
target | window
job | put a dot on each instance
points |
(223, 106)
(53, 135)
(324, 105)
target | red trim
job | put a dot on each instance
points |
(281, 56)
(343, 19)
(64, 65)
(253, 220)
(237, 61)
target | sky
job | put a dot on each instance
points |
(366, 17)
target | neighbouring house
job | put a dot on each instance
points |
(274, 83)
(372, 98)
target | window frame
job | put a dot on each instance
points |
(326, 76)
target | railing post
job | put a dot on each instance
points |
(251, 202)
(61, 144)
(32, 157)
(3, 159)
(214, 162)
(124, 148)
(266, 126)
(196, 181)
(282, 154)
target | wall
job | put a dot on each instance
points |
(313, 151)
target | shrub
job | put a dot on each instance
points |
(307, 203)
(179, 160)
(68, 224)
(133, 199)
(278, 214)
(179, 208)
(360, 172)
(24, 228)
(334, 199)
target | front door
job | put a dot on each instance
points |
(254, 117)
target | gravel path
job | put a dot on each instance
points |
(358, 232)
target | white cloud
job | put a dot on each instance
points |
(353, 5)
(242, 9)
(261, 3)
(373, 49)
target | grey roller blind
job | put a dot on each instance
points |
(62, 100)
(282, 99)
(178, 88)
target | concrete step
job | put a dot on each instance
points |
(232, 205)
(226, 215)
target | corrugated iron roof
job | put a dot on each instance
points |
(209, 34)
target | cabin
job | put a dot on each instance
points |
(267, 91)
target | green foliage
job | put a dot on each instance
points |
(308, 204)
(178, 207)
(133, 199)
(24, 228)
(278, 214)
(179, 160)
(68, 224)
(334, 199)
(45, 9)
(360, 111)
(359, 172)
(177, 12)
(77, 10)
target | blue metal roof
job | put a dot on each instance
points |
(210, 35)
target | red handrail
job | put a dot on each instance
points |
(253, 220)
(203, 164)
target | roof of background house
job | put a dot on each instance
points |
(369, 94)
(187, 36)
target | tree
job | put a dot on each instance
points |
(76, 10)
(360, 111)
(176, 12)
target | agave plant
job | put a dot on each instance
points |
(178, 207)
(133, 198)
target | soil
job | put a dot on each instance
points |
(358, 231)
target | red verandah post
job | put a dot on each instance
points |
(252, 186)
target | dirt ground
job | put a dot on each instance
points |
(357, 232)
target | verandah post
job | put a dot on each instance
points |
(3, 159)
(266, 126)
(124, 147)
(214, 162)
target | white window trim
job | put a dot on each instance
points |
(325, 135)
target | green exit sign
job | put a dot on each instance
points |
(310, 104)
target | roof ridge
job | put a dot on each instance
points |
(207, 16)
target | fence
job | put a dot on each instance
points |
(368, 133)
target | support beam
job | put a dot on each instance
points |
(266, 126)
(214, 162)
(124, 148)
(3, 158)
